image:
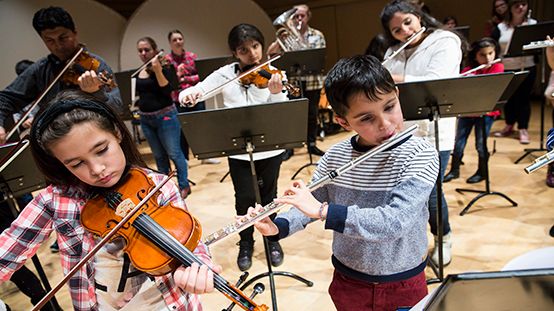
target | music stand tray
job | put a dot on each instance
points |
(206, 66)
(123, 79)
(506, 290)
(302, 62)
(525, 34)
(222, 132)
(463, 30)
(21, 176)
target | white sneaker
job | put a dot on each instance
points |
(210, 161)
(446, 250)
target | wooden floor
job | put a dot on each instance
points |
(485, 239)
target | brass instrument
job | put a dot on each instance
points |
(540, 162)
(273, 207)
(288, 35)
(539, 45)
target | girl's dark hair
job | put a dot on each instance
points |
(378, 46)
(509, 15)
(174, 31)
(406, 7)
(242, 33)
(450, 18)
(361, 74)
(67, 109)
(479, 44)
(150, 41)
(498, 16)
(52, 17)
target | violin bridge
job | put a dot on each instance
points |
(124, 207)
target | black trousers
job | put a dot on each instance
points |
(267, 172)
(518, 108)
(313, 105)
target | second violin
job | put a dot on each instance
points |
(261, 76)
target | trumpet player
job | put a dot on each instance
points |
(300, 36)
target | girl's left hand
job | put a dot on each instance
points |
(275, 84)
(196, 279)
(301, 197)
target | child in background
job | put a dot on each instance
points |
(482, 52)
(377, 210)
(83, 148)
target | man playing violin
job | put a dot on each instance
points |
(56, 29)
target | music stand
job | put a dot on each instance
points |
(233, 131)
(523, 35)
(206, 66)
(301, 63)
(124, 82)
(463, 30)
(452, 97)
(506, 290)
(19, 175)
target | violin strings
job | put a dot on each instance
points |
(161, 238)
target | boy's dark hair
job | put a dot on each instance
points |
(67, 109)
(52, 17)
(242, 33)
(479, 44)
(150, 41)
(22, 65)
(406, 7)
(361, 74)
(173, 32)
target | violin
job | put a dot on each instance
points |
(158, 239)
(86, 62)
(260, 79)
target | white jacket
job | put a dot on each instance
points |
(438, 56)
(236, 95)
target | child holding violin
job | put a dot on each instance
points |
(58, 32)
(377, 211)
(246, 43)
(85, 150)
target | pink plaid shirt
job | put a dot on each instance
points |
(186, 71)
(59, 209)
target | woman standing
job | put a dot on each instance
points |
(246, 43)
(158, 114)
(518, 108)
(434, 54)
(498, 14)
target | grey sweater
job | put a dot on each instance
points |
(377, 210)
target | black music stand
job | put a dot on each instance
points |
(233, 131)
(301, 63)
(452, 97)
(19, 175)
(507, 290)
(205, 66)
(524, 35)
(462, 30)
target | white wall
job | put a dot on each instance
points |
(205, 25)
(98, 26)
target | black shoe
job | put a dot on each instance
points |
(453, 174)
(244, 259)
(475, 178)
(54, 248)
(287, 154)
(315, 151)
(275, 253)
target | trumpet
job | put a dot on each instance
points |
(410, 39)
(543, 160)
(539, 45)
(273, 207)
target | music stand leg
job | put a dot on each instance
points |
(224, 176)
(311, 163)
(487, 191)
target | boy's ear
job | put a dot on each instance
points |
(342, 122)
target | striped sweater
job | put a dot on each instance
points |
(377, 210)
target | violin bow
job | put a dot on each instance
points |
(213, 91)
(100, 244)
(24, 117)
(160, 53)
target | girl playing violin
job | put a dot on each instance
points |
(246, 43)
(83, 148)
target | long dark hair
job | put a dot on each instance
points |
(509, 15)
(406, 7)
(67, 109)
(478, 45)
(242, 33)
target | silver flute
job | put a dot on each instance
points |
(539, 45)
(410, 39)
(246, 222)
(543, 160)
(483, 66)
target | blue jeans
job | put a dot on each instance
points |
(444, 156)
(463, 129)
(163, 131)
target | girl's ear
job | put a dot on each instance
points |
(342, 122)
(118, 135)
